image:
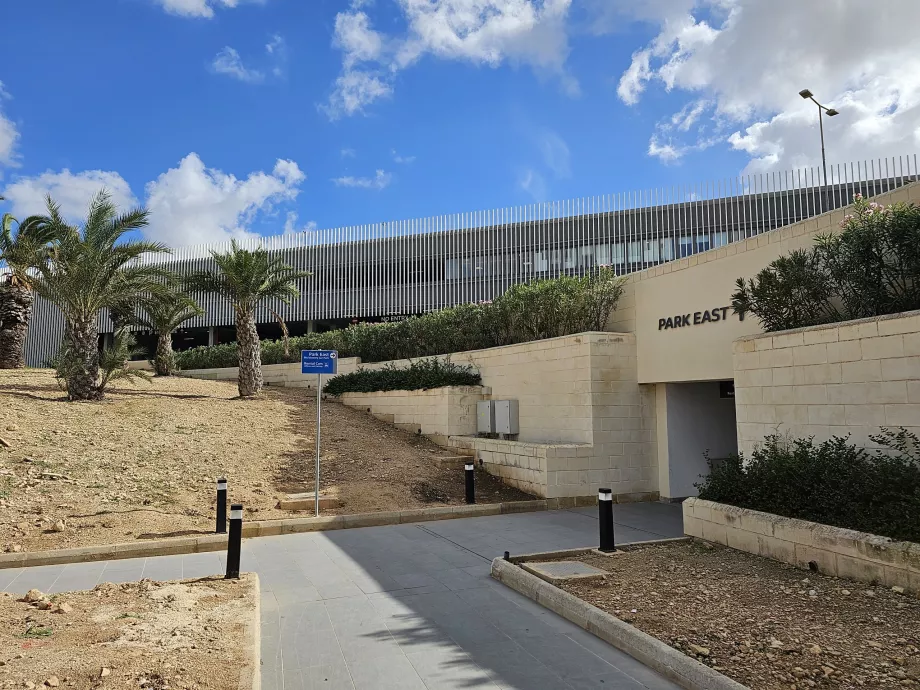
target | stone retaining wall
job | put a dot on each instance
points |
(843, 379)
(833, 550)
(438, 413)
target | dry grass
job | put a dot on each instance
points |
(142, 463)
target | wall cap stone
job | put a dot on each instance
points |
(826, 326)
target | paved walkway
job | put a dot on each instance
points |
(408, 607)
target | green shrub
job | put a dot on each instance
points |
(833, 483)
(533, 311)
(421, 375)
(870, 268)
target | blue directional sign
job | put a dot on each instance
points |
(318, 361)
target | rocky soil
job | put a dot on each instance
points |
(186, 635)
(761, 622)
(142, 464)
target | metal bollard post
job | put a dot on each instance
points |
(221, 506)
(234, 542)
(605, 515)
(470, 483)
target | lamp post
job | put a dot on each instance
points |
(806, 94)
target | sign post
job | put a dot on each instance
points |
(318, 362)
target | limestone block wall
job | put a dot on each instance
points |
(835, 551)
(833, 380)
(438, 413)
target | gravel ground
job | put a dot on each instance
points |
(154, 635)
(765, 624)
(142, 463)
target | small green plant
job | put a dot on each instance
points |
(833, 483)
(420, 375)
(33, 632)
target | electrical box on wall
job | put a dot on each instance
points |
(506, 417)
(485, 417)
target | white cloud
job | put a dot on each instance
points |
(199, 8)
(189, 204)
(402, 160)
(72, 191)
(348, 153)
(9, 137)
(228, 62)
(192, 204)
(555, 153)
(482, 32)
(353, 91)
(741, 64)
(534, 184)
(380, 180)
(291, 226)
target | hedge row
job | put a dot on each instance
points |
(420, 375)
(533, 311)
(833, 483)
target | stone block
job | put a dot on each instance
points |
(827, 415)
(859, 569)
(848, 394)
(902, 324)
(693, 527)
(857, 331)
(846, 351)
(896, 577)
(809, 354)
(715, 533)
(826, 561)
(884, 347)
(777, 549)
(812, 374)
(901, 369)
(820, 335)
(743, 541)
(810, 395)
(884, 392)
(861, 371)
(757, 522)
(903, 415)
(865, 415)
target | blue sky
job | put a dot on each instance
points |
(230, 117)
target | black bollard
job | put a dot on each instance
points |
(234, 542)
(470, 483)
(221, 506)
(605, 515)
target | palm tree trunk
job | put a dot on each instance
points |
(83, 369)
(15, 311)
(250, 350)
(164, 361)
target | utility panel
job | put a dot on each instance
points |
(485, 417)
(506, 417)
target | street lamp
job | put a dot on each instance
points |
(806, 94)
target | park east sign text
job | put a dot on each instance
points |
(696, 318)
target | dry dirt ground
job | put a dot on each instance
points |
(765, 624)
(142, 463)
(153, 635)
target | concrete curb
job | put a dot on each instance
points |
(568, 553)
(251, 669)
(672, 664)
(271, 528)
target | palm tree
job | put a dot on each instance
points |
(91, 269)
(163, 314)
(22, 251)
(245, 278)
